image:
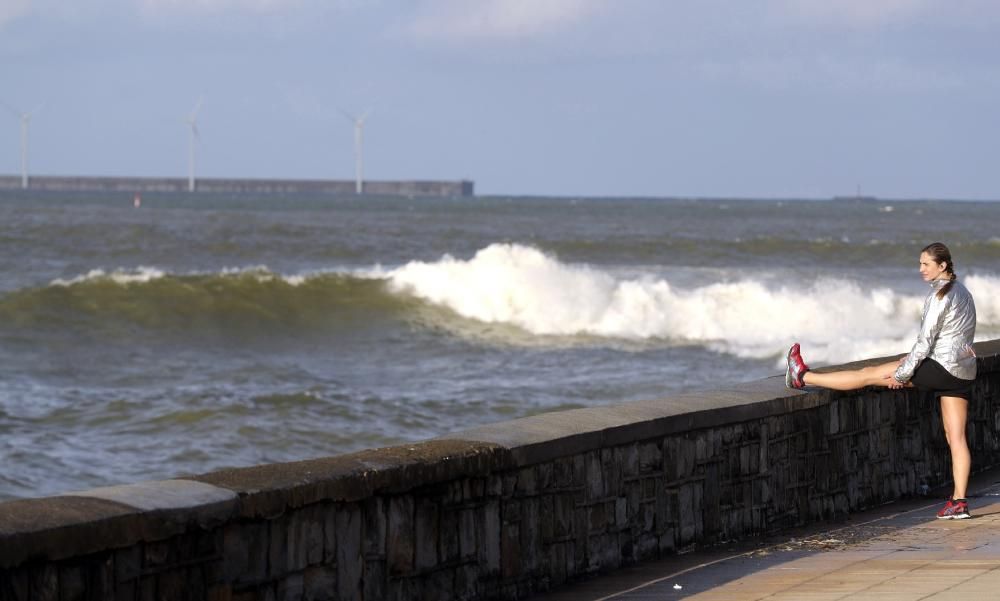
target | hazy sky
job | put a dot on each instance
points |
(779, 98)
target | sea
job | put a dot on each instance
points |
(199, 332)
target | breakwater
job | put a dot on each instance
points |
(499, 511)
(142, 185)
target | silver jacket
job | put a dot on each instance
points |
(947, 328)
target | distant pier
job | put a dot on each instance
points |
(56, 183)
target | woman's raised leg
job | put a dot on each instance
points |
(875, 375)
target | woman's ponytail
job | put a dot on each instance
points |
(940, 253)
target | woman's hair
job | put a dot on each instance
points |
(940, 253)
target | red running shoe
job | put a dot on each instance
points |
(954, 510)
(796, 369)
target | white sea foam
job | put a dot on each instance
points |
(138, 275)
(985, 290)
(142, 275)
(834, 319)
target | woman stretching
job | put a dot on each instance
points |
(942, 361)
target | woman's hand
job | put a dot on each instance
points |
(893, 383)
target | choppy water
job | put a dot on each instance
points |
(204, 332)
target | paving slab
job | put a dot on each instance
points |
(898, 552)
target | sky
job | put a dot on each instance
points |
(738, 98)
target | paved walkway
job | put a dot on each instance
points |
(899, 552)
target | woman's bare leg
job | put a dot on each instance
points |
(876, 375)
(954, 411)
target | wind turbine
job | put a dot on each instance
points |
(192, 122)
(25, 119)
(359, 138)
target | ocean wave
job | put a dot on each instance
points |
(505, 293)
(243, 303)
(836, 319)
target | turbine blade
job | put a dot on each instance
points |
(197, 107)
(349, 116)
(10, 108)
(361, 120)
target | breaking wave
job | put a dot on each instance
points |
(836, 319)
(518, 287)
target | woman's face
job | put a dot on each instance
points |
(930, 269)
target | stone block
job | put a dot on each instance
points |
(633, 494)
(510, 551)
(404, 589)
(621, 514)
(219, 592)
(467, 583)
(667, 541)
(349, 561)
(449, 535)
(626, 549)
(128, 563)
(494, 486)
(297, 541)
(563, 510)
(278, 552)
(557, 563)
(489, 529)
(101, 578)
(45, 583)
(290, 588)
(454, 495)
(509, 485)
(172, 585)
(126, 591)
(400, 548)
(647, 545)
(530, 535)
(15, 584)
(511, 511)
(467, 533)
(611, 472)
(562, 473)
(545, 476)
(158, 554)
(72, 585)
(245, 547)
(595, 476)
(330, 534)
(426, 547)
(320, 584)
(147, 588)
(647, 515)
(579, 470)
(628, 458)
(686, 512)
(305, 537)
(439, 586)
(526, 482)
(375, 581)
(597, 519)
(650, 488)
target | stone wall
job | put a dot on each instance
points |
(500, 511)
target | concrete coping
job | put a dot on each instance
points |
(82, 522)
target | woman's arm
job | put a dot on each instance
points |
(930, 325)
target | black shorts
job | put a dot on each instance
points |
(930, 376)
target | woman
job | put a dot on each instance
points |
(942, 361)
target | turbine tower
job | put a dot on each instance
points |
(192, 122)
(359, 138)
(25, 119)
